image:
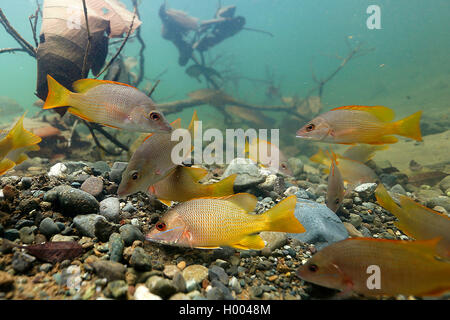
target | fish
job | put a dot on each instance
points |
(273, 158)
(55, 251)
(353, 172)
(336, 189)
(209, 223)
(361, 124)
(14, 143)
(113, 104)
(403, 267)
(152, 161)
(182, 185)
(417, 221)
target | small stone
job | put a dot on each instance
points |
(180, 296)
(109, 269)
(196, 273)
(398, 189)
(181, 265)
(100, 167)
(256, 292)
(22, 262)
(104, 229)
(161, 287)
(117, 289)
(274, 240)
(48, 227)
(140, 260)
(444, 184)
(296, 166)
(170, 270)
(249, 174)
(116, 247)
(116, 171)
(355, 220)
(179, 282)
(58, 170)
(93, 186)
(130, 233)
(110, 209)
(85, 224)
(235, 285)
(12, 234)
(143, 293)
(26, 235)
(129, 208)
(366, 190)
(60, 237)
(26, 182)
(76, 202)
(441, 201)
(46, 267)
(218, 273)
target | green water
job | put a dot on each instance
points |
(410, 56)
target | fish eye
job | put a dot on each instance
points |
(283, 166)
(313, 268)
(310, 127)
(161, 226)
(154, 116)
(135, 176)
(336, 201)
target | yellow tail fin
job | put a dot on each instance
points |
(224, 187)
(21, 137)
(281, 218)
(409, 126)
(6, 165)
(58, 96)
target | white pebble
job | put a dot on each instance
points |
(142, 293)
(57, 170)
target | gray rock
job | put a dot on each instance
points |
(104, 229)
(235, 285)
(196, 273)
(11, 234)
(26, 182)
(398, 189)
(117, 289)
(74, 201)
(23, 223)
(302, 194)
(93, 186)
(218, 273)
(441, 201)
(445, 184)
(161, 287)
(129, 208)
(110, 209)
(26, 235)
(46, 267)
(85, 224)
(116, 171)
(116, 247)
(355, 220)
(109, 269)
(48, 227)
(73, 166)
(249, 174)
(27, 205)
(130, 233)
(141, 261)
(22, 262)
(274, 240)
(179, 282)
(366, 190)
(219, 291)
(100, 167)
(322, 225)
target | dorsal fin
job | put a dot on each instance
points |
(245, 201)
(384, 114)
(84, 85)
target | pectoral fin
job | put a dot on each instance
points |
(250, 242)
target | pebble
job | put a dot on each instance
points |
(60, 237)
(130, 233)
(274, 240)
(45, 267)
(196, 273)
(235, 285)
(355, 220)
(104, 229)
(58, 170)
(179, 282)
(26, 182)
(249, 174)
(93, 186)
(74, 201)
(170, 270)
(11, 234)
(26, 235)
(22, 262)
(129, 208)
(181, 265)
(161, 287)
(441, 201)
(117, 289)
(48, 227)
(85, 224)
(140, 260)
(398, 189)
(444, 184)
(302, 194)
(352, 231)
(116, 171)
(296, 166)
(366, 190)
(109, 269)
(116, 247)
(110, 209)
(218, 273)
(100, 167)
(6, 281)
(143, 293)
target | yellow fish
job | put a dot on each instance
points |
(374, 267)
(213, 222)
(14, 143)
(182, 185)
(417, 221)
(336, 190)
(109, 103)
(361, 124)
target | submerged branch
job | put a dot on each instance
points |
(12, 50)
(141, 50)
(28, 48)
(120, 48)
(88, 46)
